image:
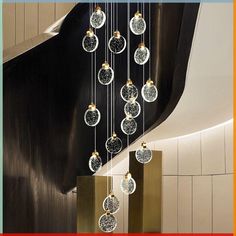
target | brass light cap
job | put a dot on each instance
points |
(138, 14)
(92, 106)
(149, 82)
(105, 66)
(114, 135)
(116, 34)
(128, 175)
(108, 212)
(98, 8)
(141, 45)
(95, 153)
(90, 33)
(144, 145)
(129, 82)
(112, 194)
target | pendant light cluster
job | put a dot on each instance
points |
(128, 92)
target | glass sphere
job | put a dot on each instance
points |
(105, 74)
(128, 125)
(137, 24)
(98, 18)
(107, 222)
(141, 54)
(90, 41)
(95, 162)
(132, 108)
(129, 91)
(111, 203)
(144, 154)
(92, 116)
(113, 144)
(149, 91)
(128, 184)
(117, 43)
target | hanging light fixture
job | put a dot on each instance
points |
(144, 154)
(128, 184)
(105, 74)
(111, 203)
(92, 115)
(137, 24)
(113, 144)
(90, 41)
(129, 91)
(117, 43)
(128, 125)
(98, 18)
(107, 222)
(149, 91)
(132, 108)
(95, 162)
(141, 54)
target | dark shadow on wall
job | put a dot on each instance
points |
(47, 90)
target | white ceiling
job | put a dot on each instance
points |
(208, 96)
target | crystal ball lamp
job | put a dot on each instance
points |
(128, 125)
(117, 43)
(107, 222)
(113, 144)
(105, 74)
(95, 162)
(141, 54)
(90, 41)
(132, 108)
(128, 184)
(98, 18)
(137, 24)
(92, 115)
(144, 154)
(149, 91)
(111, 203)
(129, 91)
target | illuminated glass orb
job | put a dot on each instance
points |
(107, 222)
(144, 154)
(149, 91)
(129, 91)
(105, 74)
(92, 116)
(95, 162)
(128, 184)
(98, 18)
(141, 54)
(137, 24)
(111, 203)
(90, 41)
(132, 108)
(113, 144)
(117, 43)
(128, 125)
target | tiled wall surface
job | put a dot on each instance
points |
(198, 182)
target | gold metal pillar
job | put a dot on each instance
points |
(91, 191)
(145, 202)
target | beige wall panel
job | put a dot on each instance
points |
(46, 15)
(169, 204)
(202, 204)
(189, 154)
(229, 147)
(213, 153)
(31, 20)
(20, 22)
(9, 25)
(223, 204)
(63, 8)
(169, 155)
(184, 204)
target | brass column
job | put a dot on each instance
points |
(145, 202)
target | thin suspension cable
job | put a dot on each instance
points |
(128, 41)
(107, 134)
(149, 39)
(143, 6)
(117, 16)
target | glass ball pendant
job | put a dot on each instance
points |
(128, 125)
(98, 18)
(132, 108)
(128, 184)
(117, 43)
(107, 222)
(95, 162)
(90, 41)
(141, 54)
(113, 144)
(144, 154)
(92, 116)
(129, 91)
(105, 74)
(111, 203)
(137, 24)
(149, 91)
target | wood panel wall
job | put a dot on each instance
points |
(22, 21)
